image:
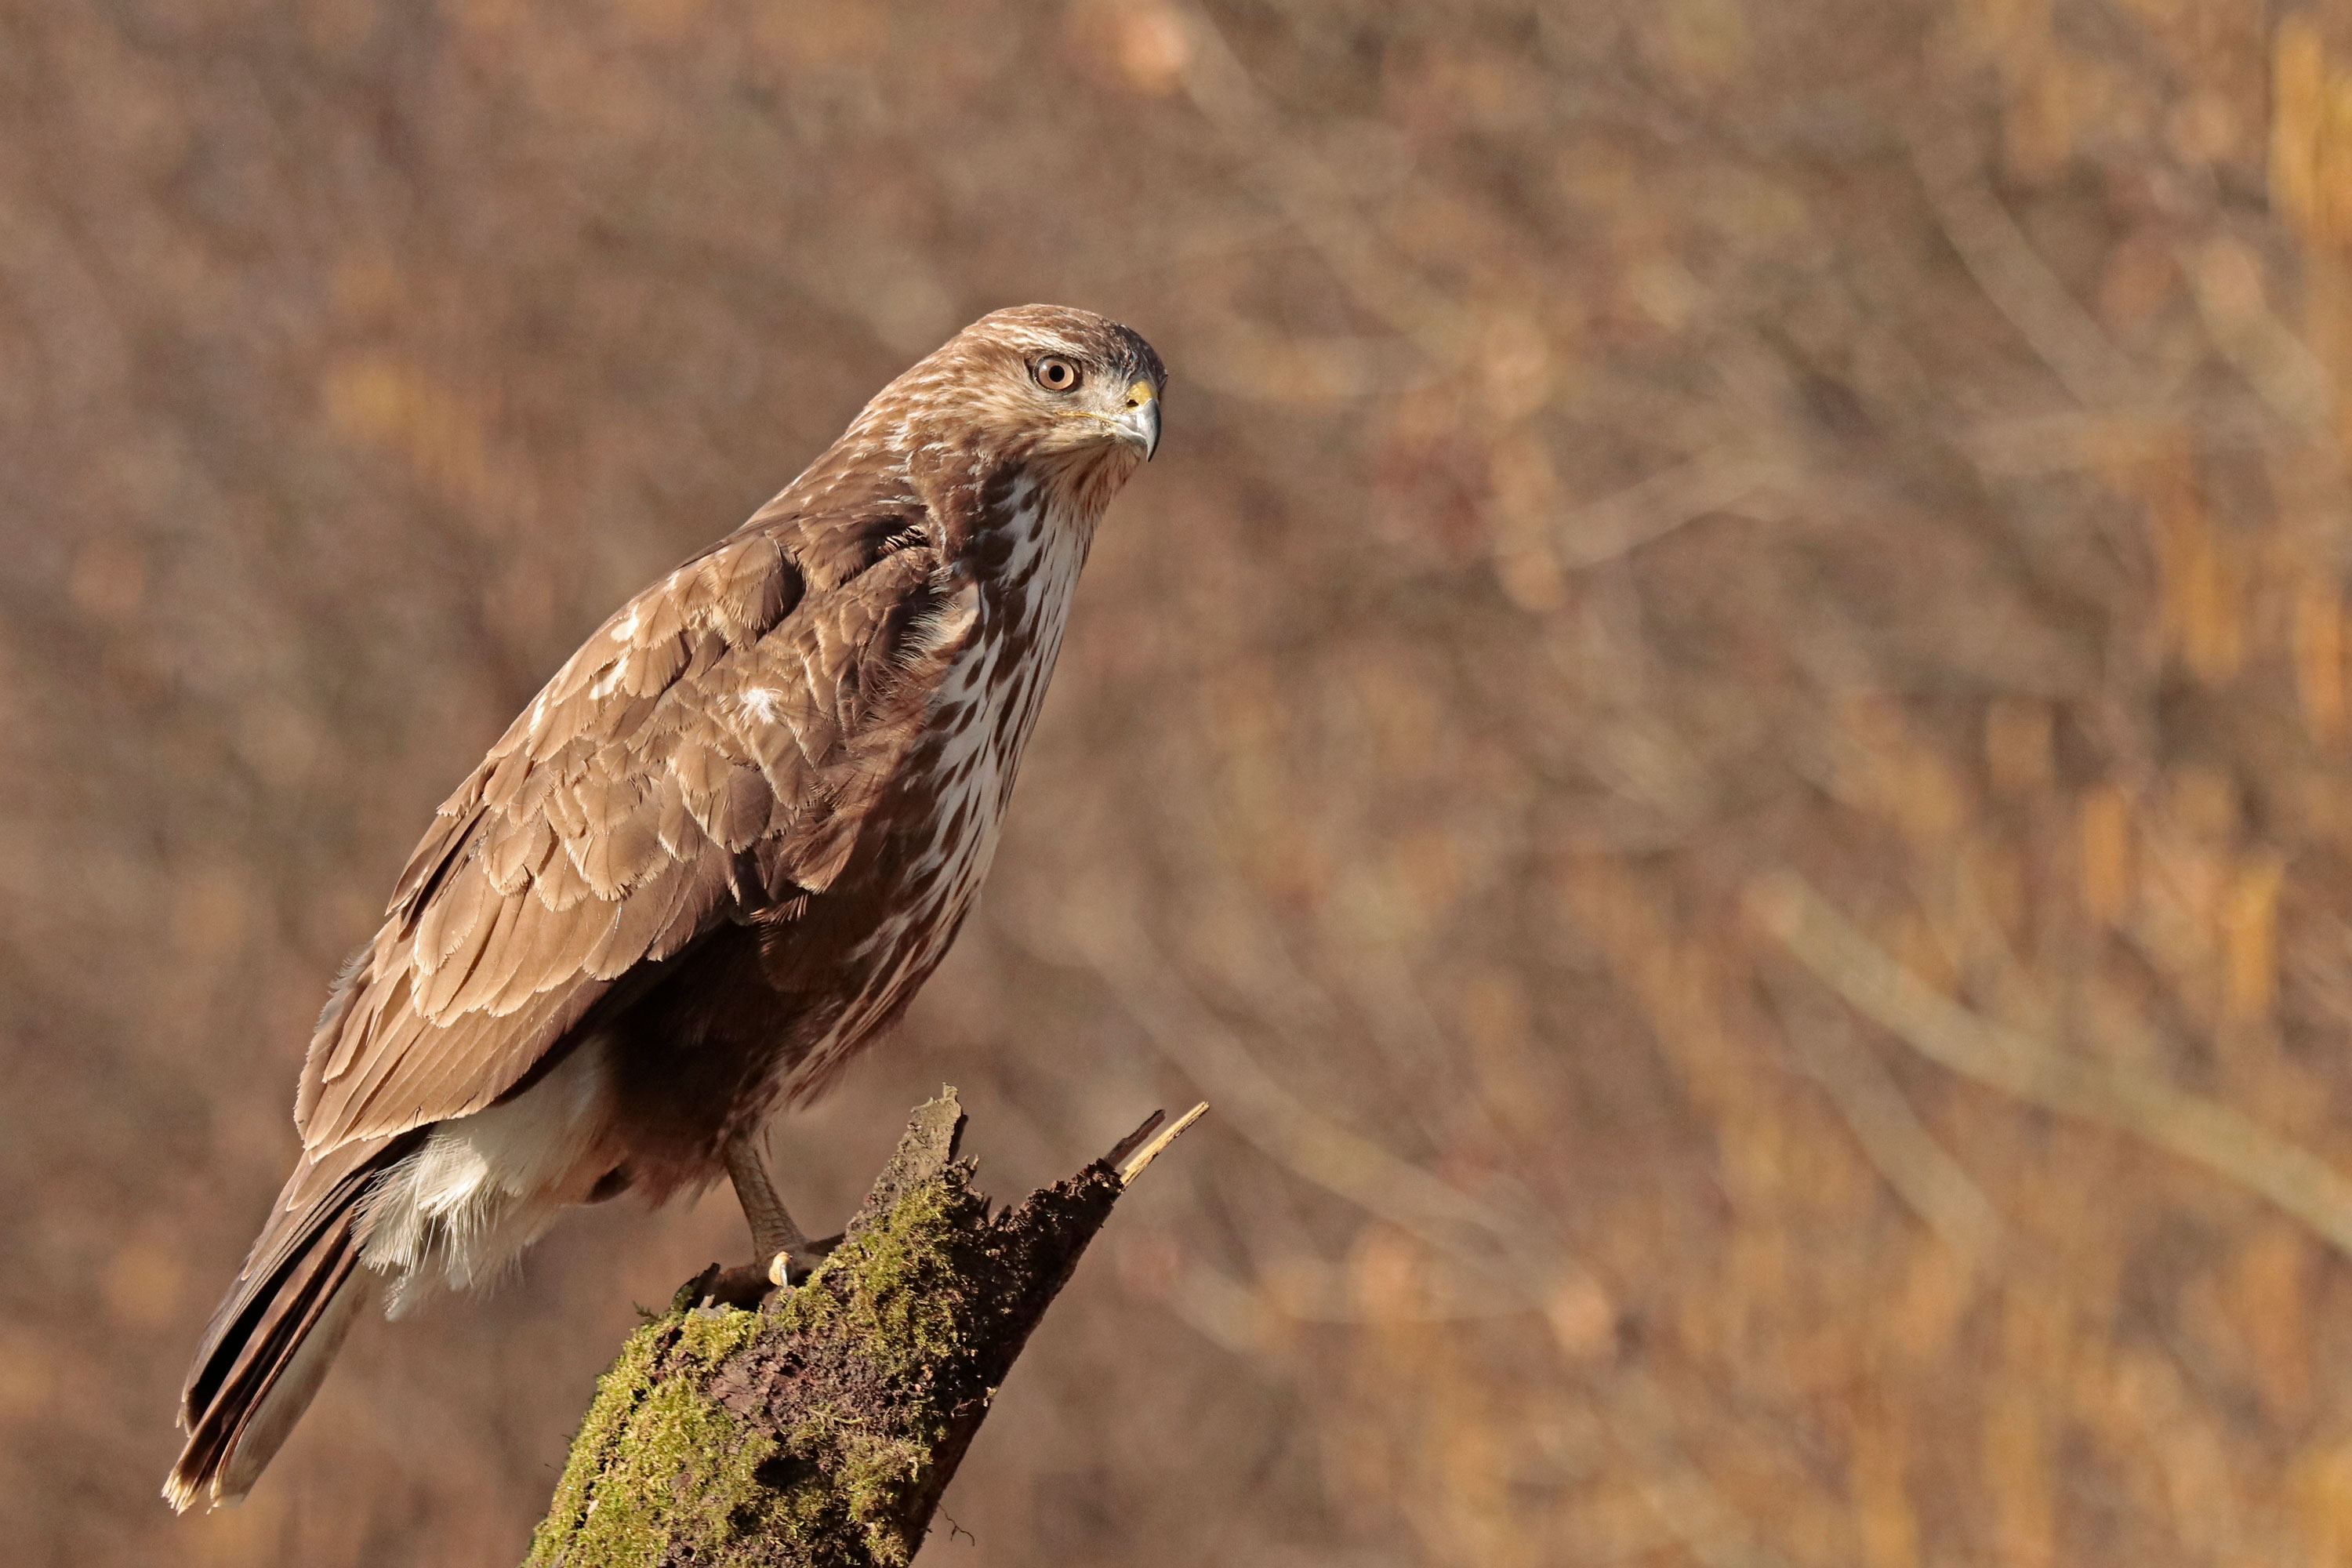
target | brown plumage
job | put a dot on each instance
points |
(713, 859)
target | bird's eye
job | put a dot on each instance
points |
(1055, 373)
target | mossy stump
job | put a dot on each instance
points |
(823, 1427)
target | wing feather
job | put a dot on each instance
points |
(519, 851)
(435, 997)
(724, 710)
(682, 837)
(561, 886)
(738, 810)
(449, 921)
(641, 919)
(509, 941)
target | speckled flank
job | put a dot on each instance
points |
(980, 715)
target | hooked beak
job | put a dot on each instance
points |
(1140, 422)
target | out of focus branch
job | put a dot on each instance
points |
(2072, 439)
(1920, 1170)
(1626, 520)
(1519, 1253)
(824, 1426)
(2226, 279)
(1302, 1137)
(2188, 1125)
(2017, 281)
(1364, 264)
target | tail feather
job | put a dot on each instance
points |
(269, 1345)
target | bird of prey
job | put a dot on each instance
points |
(712, 861)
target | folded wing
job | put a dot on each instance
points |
(710, 751)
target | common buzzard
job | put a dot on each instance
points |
(711, 861)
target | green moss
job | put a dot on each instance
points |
(892, 1299)
(656, 1460)
(904, 1308)
(660, 1465)
(711, 1337)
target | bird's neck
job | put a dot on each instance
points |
(1026, 550)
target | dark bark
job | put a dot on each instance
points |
(823, 1425)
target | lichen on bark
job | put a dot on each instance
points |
(822, 1427)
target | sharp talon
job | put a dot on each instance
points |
(792, 1264)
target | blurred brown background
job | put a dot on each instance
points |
(1723, 740)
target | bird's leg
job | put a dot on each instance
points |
(780, 1247)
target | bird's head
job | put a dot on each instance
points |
(1071, 398)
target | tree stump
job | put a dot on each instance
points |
(821, 1426)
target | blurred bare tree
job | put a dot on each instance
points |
(1723, 739)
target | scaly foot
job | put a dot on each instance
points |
(748, 1284)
